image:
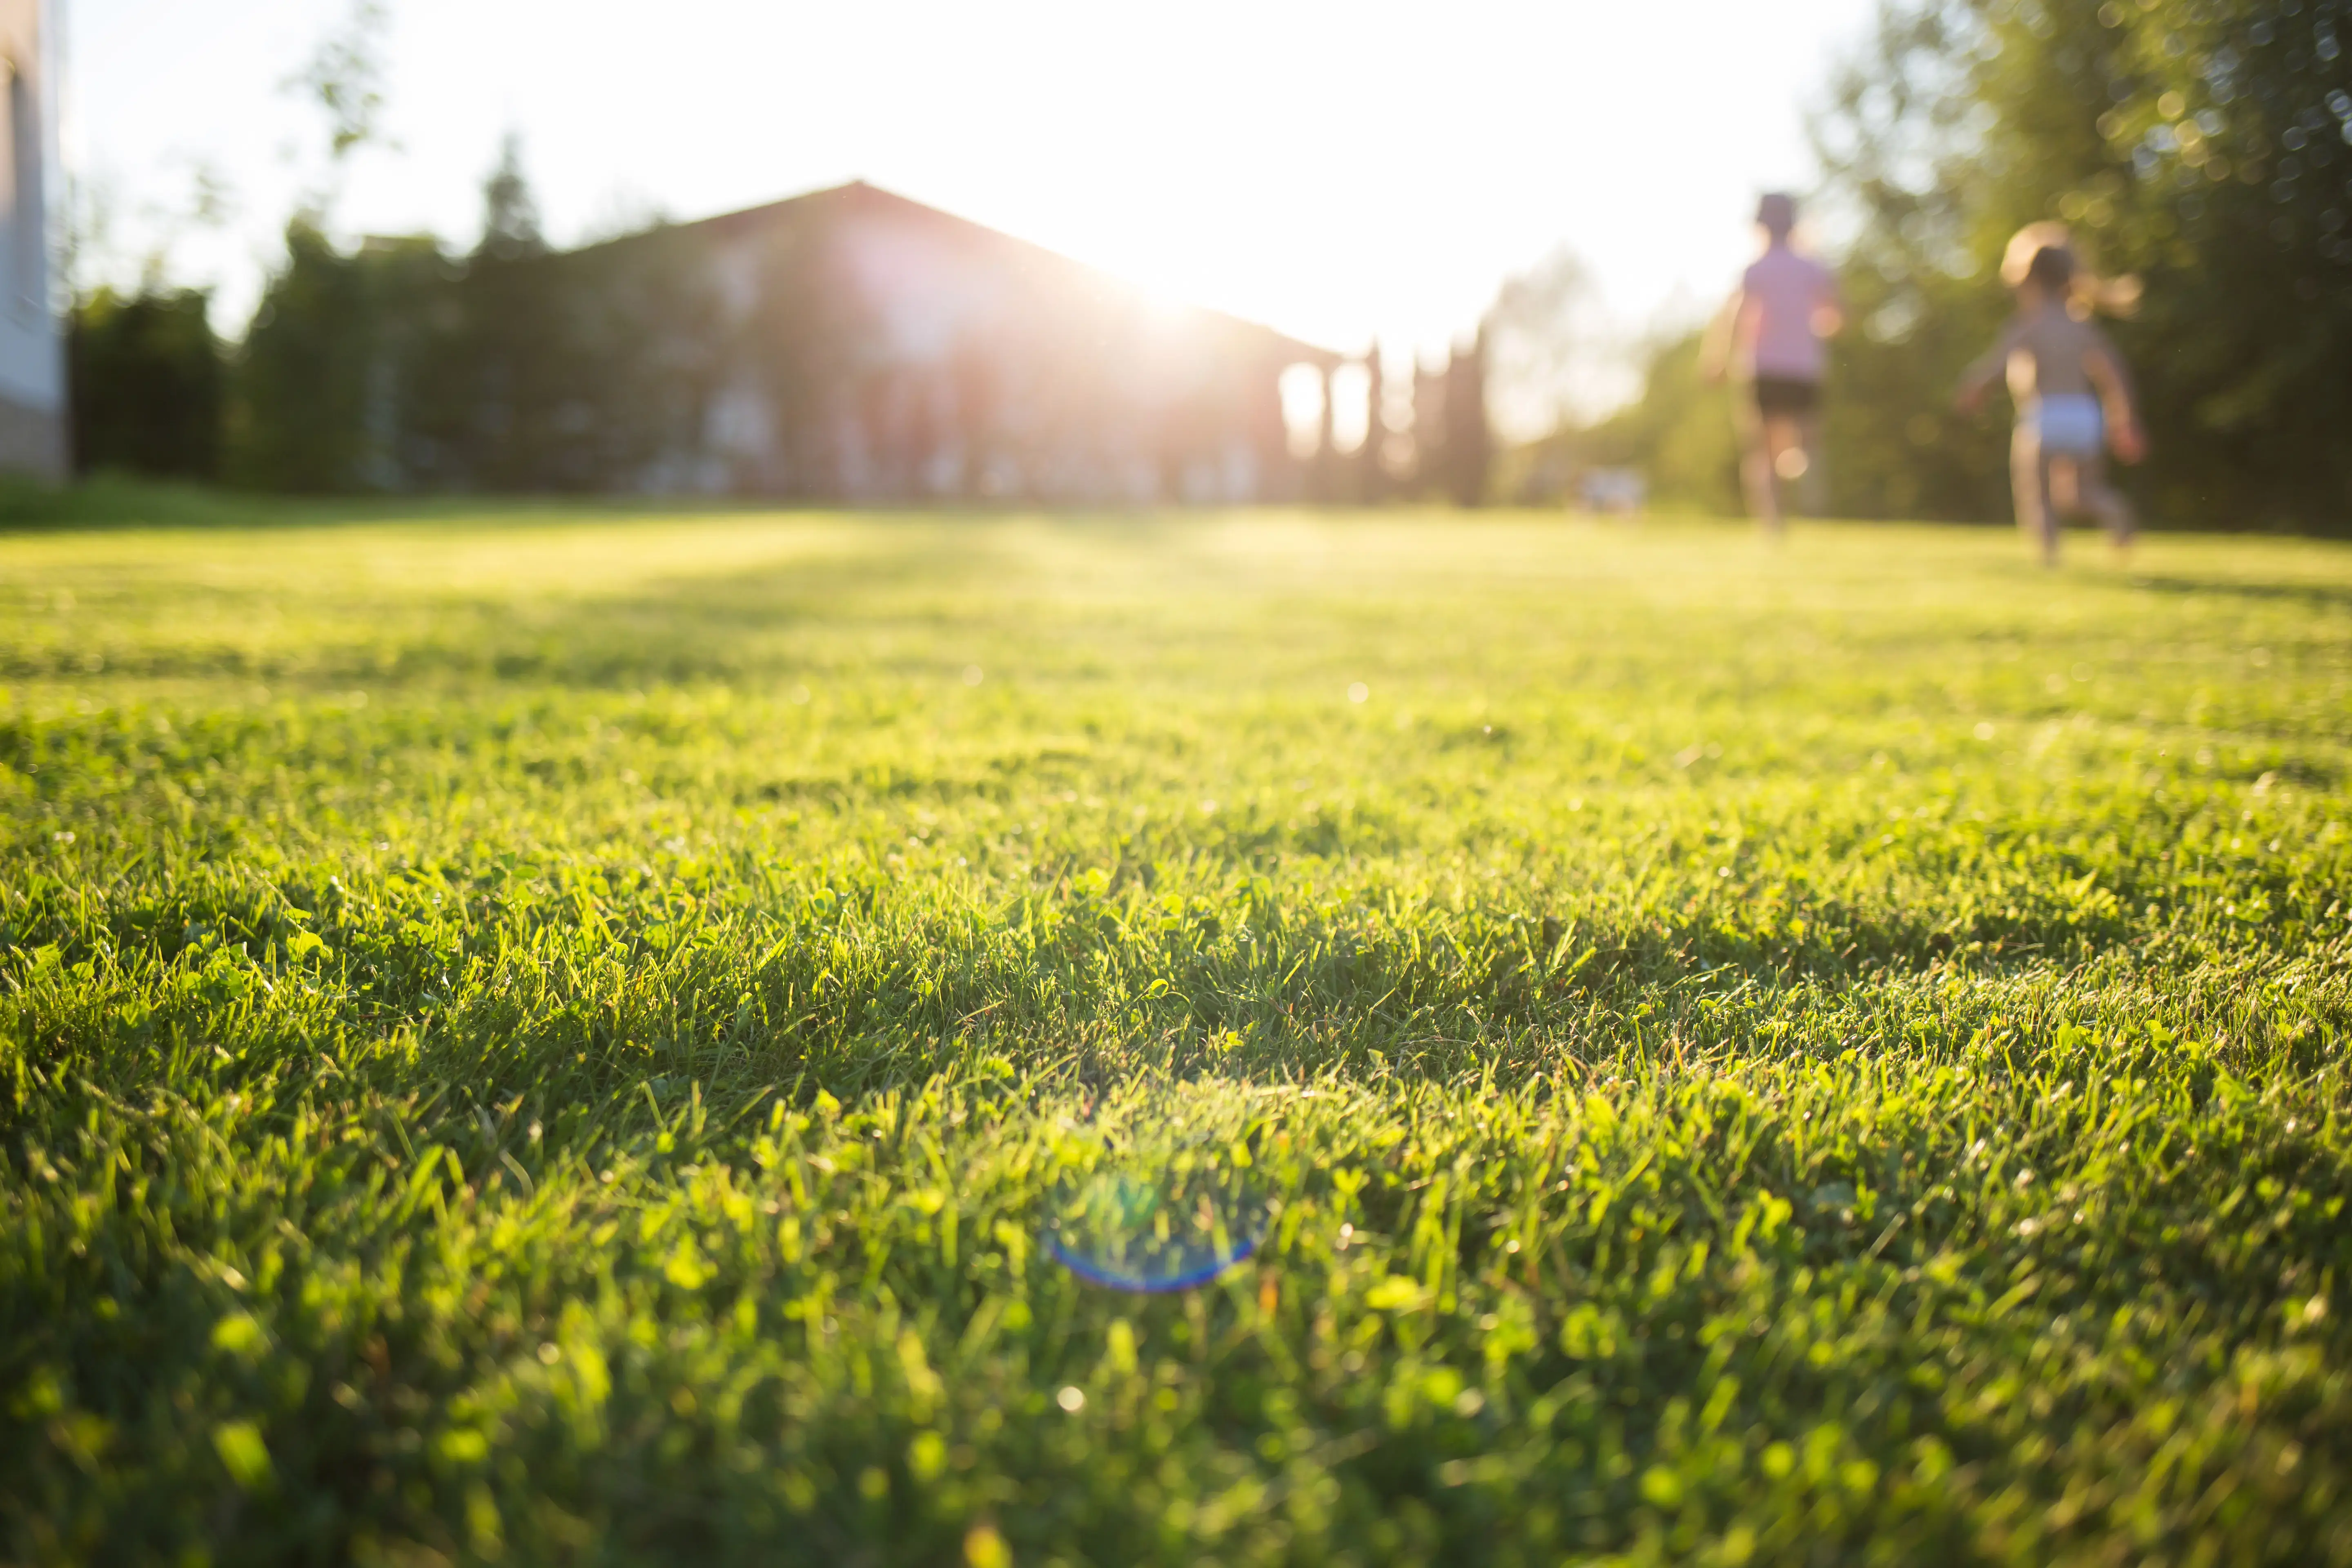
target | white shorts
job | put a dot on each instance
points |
(2068, 425)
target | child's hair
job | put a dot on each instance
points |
(2052, 269)
(1777, 211)
(2043, 255)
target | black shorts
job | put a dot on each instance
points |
(1779, 396)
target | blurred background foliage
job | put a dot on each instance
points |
(399, 364)
(2205, 145)
(148, 383)
(2201, 144)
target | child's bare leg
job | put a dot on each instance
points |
(1812, 489)
(2066, 490)
(1784, 439)
(1756, 466)
(2029, 480)
(2104, 501)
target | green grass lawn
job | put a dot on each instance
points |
(567, 1038)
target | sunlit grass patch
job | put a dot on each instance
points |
(582, 1038)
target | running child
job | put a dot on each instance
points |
(2073, 394)
(1768, 336)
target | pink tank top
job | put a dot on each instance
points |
(1778, 294)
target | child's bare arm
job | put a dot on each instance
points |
(1829, 316)
(1978, 378)
(2106, 369)
(1715, 347)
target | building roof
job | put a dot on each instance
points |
(859, 198)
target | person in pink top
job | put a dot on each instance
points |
(1769, 337)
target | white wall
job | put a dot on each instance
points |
(32, 361)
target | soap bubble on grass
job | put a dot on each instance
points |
(1162, 1188)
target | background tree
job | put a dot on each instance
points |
(1679, 433)
(1372, 458)
(510, 229)
(1552, 356)
(2200, 143)
(307, 393)
(144, 372)
(1555, 359)
(329, 366)
(2203, 146)
(515, 375)
(146, 383)
(344, 77)
(1469, 449)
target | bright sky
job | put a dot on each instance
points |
(1338, 170)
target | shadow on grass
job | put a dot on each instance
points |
(108, 501)
(2320, 596)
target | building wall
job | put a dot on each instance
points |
(963, 364)
(32, 356)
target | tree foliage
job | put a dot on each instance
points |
(317, 382)
(345, 76)
(2201, 144)
(146, 381)
(1679, 431)
(510, 212)
(397, 365)
(1550, 348)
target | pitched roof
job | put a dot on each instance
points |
(858, 197)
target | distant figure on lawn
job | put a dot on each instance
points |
(2073, 394)
(1769, 337)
